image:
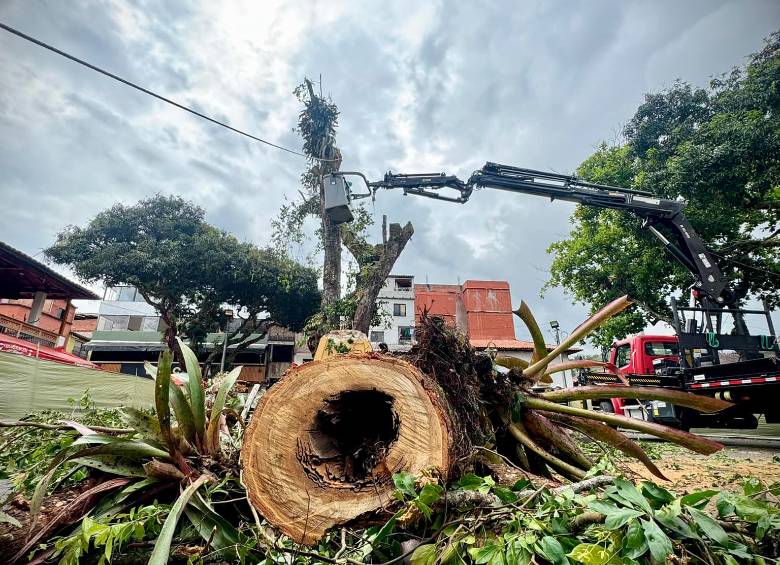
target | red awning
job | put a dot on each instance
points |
(10, 344)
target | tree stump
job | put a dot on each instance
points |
(324, 442)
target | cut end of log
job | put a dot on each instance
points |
(324, 442)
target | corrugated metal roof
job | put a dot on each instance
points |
(24, 276)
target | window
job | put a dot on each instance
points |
(150, 323)
(404, 285)
(659, 348)
(109, 323)
(377, 337)
(623, 356)
(405, 333)
(399, 309)
(125, 294)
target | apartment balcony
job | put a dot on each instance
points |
(28, 332)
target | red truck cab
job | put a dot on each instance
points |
(635, 356)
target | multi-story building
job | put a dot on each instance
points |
(127, 331)
(395, 305)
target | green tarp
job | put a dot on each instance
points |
(30, 385)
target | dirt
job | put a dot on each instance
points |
(725, 470)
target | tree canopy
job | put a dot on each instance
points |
(718, 148)
(187, 269)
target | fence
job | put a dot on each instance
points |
(30, 385)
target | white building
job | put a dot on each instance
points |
(396, 305)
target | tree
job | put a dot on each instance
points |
(317, 125)
(188, 269)
(717, 148)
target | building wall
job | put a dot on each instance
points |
(488, 306)
(54, 313)
(397, 290)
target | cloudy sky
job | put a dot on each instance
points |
(422, 87)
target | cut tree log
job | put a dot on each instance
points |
(324, 441)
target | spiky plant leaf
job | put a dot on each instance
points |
(706, 404)
(197, 396)
(161, 399)
(111, 464)
(580, 332)
(184, 417)
(212, 431)
(162, 547)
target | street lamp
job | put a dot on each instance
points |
(556, 328)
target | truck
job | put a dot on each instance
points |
(654, 360)
(712, 325)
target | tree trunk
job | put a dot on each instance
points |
(376, 262)
(331, 268)
(324, 442)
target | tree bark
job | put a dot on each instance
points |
(324, 442)
(375, 262)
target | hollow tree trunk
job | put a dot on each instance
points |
(324, 442)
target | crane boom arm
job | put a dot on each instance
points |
(689, 249)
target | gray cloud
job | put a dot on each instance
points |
(422, 87)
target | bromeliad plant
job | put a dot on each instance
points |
(179, 448)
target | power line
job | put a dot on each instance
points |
(149, 92)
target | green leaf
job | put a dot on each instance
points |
(161, 396)
(211, 526)
(698, 499)
(590, 554)
(658, 496)
(674, 523)
(486, 553)
(162, 547)
(635, 544)
(628, 492)
(657, 541)
(470, 481)
(8, 519)
(621, 517)
(424, 555)
(504, 494)
(752, 485)
(709, 527)
(183, 413)
(142, 422)
(212, 432)
(553, 550)
(405, 483)
(521, 485)
(197, 396)
(111, 464)
(430, 494)
(603, 507)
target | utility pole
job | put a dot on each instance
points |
(228, 316)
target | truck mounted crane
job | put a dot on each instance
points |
(752, 383)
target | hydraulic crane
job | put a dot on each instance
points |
(664, 218)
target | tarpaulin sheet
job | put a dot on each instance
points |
(30, 385)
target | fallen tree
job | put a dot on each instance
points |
(324, 443)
